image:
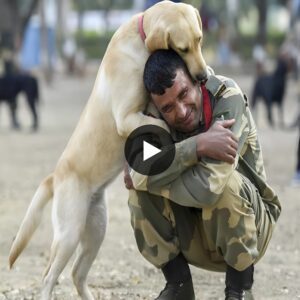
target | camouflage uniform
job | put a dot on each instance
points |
(213, 212)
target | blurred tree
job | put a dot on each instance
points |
(14, 16)
(62, 8)
(46, 60)
(262, 6)
(195, 3)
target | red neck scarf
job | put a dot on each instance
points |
(207, 111)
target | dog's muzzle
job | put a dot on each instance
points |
(201, 77)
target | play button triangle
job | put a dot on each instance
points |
(149, 150)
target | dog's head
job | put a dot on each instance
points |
(177, 26)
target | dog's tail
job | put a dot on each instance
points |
(32, 218)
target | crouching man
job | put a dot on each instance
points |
(212, 207)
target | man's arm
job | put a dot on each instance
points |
(218, 143)
(194, 183)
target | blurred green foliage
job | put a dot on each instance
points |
(244, 44)
(93, 43)
(102, 4)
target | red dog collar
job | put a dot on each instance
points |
(141, 29)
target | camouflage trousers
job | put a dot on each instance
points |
(234, 231)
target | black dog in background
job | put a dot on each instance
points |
(11, 85)
(271, 87)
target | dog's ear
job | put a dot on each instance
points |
(198, 18)
(157, 39)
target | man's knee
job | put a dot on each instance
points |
(241, 254)
(233, 197)
(230, 225)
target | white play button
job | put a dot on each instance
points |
(149, 150)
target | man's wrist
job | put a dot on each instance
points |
(187, 151)
(200, 145)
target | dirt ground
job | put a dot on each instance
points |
(119, 271)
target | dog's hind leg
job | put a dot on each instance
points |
(254, 98)
(269, 112)
(70, 208)
(13, 112)
(90, 243)
(280, 115)
(269, 115)
(31, 101)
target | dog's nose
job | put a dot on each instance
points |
(202, 76)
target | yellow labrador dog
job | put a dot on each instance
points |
(94, 154)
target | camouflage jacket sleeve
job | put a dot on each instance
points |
(193, 183)
(185, 157)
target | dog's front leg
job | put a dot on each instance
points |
(132, 121)
(128, 112)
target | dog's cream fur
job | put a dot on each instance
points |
(94, 154)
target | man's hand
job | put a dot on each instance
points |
(218, 142)
(127, 178)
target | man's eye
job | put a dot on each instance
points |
(183, 94)
(167, 109)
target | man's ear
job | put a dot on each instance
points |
(157, 39)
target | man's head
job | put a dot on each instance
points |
(173, 91)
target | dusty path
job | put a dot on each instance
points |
(119, 271)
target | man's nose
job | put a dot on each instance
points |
(181, 111)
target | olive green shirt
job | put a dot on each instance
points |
(199, 183)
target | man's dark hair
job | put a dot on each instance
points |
(160, 70)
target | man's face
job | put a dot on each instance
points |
(180, 105)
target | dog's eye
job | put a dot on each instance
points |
(184, 50)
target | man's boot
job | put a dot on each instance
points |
(179, 284)
(239, 282)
